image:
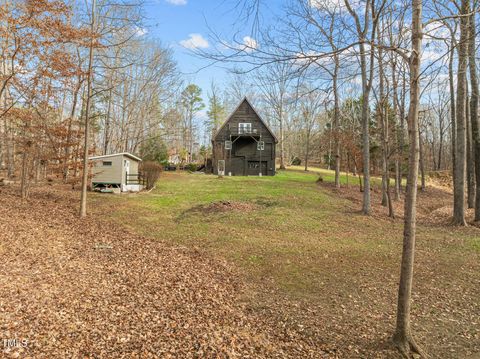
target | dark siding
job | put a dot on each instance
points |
(244, 159)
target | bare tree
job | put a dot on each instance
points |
(474, 106)
(383, 112)
(216, 110)
(83, 198)
(324, 17)
(276, 82)
(460, 119)
(403, 337)
(311, 103)
(366, 26)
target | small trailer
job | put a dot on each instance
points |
(117, 172)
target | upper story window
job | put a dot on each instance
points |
(244, 127)
(106, 163)
(228, 145)
(260, 145)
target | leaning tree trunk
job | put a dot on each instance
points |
(474, 112)
(460, 145)
(403, 337)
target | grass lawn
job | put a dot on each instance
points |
(309, 258)
(329, 175)
(291, 222)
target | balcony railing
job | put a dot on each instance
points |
(243, 131)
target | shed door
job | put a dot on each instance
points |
(127, 170)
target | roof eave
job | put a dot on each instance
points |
(116, 154)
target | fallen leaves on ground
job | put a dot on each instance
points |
(225, 206)
(85, 288)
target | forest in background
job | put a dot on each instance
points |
(309, 89)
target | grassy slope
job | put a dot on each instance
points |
(295, 221)
(308, 246)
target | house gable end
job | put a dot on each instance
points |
(244, 113)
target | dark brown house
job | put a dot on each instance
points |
(244, 145)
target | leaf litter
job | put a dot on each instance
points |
(78, 288)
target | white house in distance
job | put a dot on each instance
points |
(117, 172)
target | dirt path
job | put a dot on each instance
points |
(81, 288)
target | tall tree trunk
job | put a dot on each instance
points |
(421, 159)
(282, 140)
(470, 157)
(190, 137)
(403, 337)
(24, 178)
(307, 149)
(383, 124)
(402, 127)
(474, 110)
(83, 198)
(460, 146)
(336, 122)
(440, 150)
(9, 145)
(367, 78)
(398, 178)
(453, 107)
(67, 151)
(433, 148)
(106, 135)
(384, 114)
(366, 207)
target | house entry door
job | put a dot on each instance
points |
(254, 168)
(221, 167)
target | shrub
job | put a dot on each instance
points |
(192, 167)
(151, 173)
(296, 161)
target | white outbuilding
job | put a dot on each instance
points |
(117, 172)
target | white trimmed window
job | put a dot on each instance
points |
(244, 127)
(228, 145)
(260, 145)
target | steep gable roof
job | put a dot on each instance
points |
(256, 113)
